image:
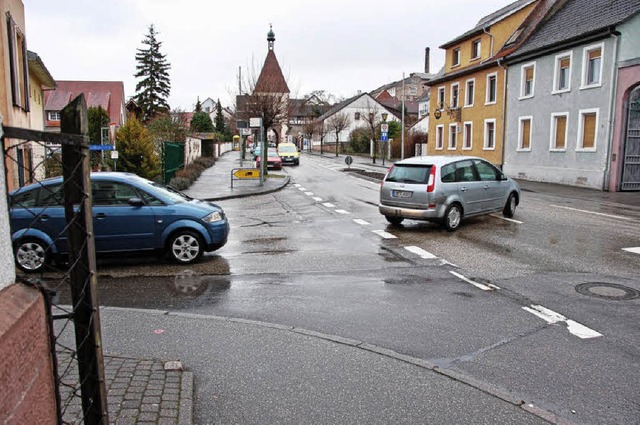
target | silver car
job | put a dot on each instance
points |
(446, 189)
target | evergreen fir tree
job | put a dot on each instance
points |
(137, 151)
(198, 105)
(219, 120)
(201, 123)
(154, 88)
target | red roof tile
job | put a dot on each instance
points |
(271, 79)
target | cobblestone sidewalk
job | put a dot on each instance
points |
(139, 391)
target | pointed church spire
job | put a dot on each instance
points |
(271, 37)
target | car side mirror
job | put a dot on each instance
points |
(136, 202)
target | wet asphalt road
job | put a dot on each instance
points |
(318, 255)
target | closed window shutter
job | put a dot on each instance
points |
(528, 74)
(589, 131)
(25, 64)
(11, 31)
(564, 63)
(561, 127)
(595, 54)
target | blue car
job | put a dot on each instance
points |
(130, 213)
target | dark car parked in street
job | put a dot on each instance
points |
(130, 214)
(446, 189)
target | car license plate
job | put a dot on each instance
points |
(401, 194)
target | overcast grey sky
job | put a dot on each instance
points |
(337, 46)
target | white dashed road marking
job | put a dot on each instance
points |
(342, 212)
(301, 189)
(550, 316)
(594, 213)
(506, 219)
(384, 234)
(635, 250)
(476, 284)
(317, 199)
(309, 193)
(420, 252)
(297, 185)
(329, 205)
(361, 222)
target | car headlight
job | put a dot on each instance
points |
(213, 217)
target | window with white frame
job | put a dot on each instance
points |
(587, 129)
(469, 92)
(467, 136)
(440, 137)
(18, 68)
(455, 57)
(562, 73)
(559, 131)
(492, 88)
(455, 92)
(475, 49)
(441, 95)
(453, 137)
(592, 66)
(527, 75)
(524, 133)
(489, 134)
(53, 115)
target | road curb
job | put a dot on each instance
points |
(285, 182)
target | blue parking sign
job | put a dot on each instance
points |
(384, 136)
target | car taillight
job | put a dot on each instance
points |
(385, 176)
(432, 179)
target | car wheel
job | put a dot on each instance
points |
(394, 220)
(31, 255)
(510, 207)
(452, 217)
(186, 247)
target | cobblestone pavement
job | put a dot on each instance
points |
(139, 391)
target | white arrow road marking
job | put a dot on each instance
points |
(635, 250)
(309, 193)
(317, 199)
(342, 212)
(384, 234)
(476, 284)
(420, 252)
(328, 205)
(550, 316)
(361, 222)
(594, 213)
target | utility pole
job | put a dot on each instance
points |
(402, 135)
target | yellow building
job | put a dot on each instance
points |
(468, 100)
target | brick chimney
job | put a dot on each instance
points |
(426, 60)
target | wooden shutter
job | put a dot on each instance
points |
(595, 54)
(565, 63)
(526, 134)
(561, 132)
(11, 31)
(589, 131)
(528, 74)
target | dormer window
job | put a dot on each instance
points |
(475, 49)
(53, 116)
(455, 57)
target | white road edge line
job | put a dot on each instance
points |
(361, 222)
(550, 316)
(420, 252)
(329, 205)
(635, 250)
(476, 284)
(594, 213)
(384, 234)
(343, 212)
(506, 219)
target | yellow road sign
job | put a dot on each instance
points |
(247, 173)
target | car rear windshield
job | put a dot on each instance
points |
(287, 149)
(409, 173)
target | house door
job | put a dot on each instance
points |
(631, 165)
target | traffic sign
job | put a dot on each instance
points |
(114, 154)
(384, 128)
(100, 147)
(246, 173)
(348, 160)
(384, 136)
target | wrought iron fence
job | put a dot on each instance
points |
(61, 265)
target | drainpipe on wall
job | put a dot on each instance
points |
(484, 30)
(504, 109)
(612, 116)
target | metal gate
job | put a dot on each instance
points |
(631, 165)
(172, 159)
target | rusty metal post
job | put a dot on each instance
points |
(82, 259)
